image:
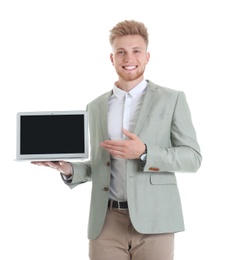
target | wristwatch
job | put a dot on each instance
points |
(143, 158)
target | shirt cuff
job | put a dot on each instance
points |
(66, 178)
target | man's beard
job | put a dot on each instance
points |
(131, 76)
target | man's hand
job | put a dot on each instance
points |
(61, 166)
(128, 149)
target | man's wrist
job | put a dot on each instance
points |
(144, 151)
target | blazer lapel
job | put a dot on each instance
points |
(104, 115)
(146, 106)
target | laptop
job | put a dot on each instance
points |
(52, 135)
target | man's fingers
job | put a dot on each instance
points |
(112, 146)
(129, 134)
(55, 165)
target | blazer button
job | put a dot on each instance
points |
(108, 164)
(106, 189)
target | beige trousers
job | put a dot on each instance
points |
(120, 241)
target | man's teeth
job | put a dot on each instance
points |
(130, 67)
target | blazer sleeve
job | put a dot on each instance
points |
(81, 173)
(183, 154)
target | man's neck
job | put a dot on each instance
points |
(128, 85)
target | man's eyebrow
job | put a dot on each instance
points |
(124, 49)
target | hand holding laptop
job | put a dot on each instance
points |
(64, 167)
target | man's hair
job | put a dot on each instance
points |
(128, 27)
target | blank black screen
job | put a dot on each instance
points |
(52, 134)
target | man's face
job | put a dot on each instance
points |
(129, 57)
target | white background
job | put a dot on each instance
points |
(54, 55)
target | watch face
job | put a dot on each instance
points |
(143, 157)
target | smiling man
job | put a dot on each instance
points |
(141, 134)
(129, 58)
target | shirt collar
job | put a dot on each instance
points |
(119, 93)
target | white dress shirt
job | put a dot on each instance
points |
(123, 112)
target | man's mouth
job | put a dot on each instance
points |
(129, 67)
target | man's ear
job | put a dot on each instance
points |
(147, 57)
(111, 58)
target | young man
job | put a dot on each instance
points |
(141, 133)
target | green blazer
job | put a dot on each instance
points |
(165, 125)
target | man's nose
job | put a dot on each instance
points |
(128, 57)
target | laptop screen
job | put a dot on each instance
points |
(52, 135)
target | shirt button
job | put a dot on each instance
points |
(106, 189)
(108, 164)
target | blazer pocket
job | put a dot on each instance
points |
(163, 179)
